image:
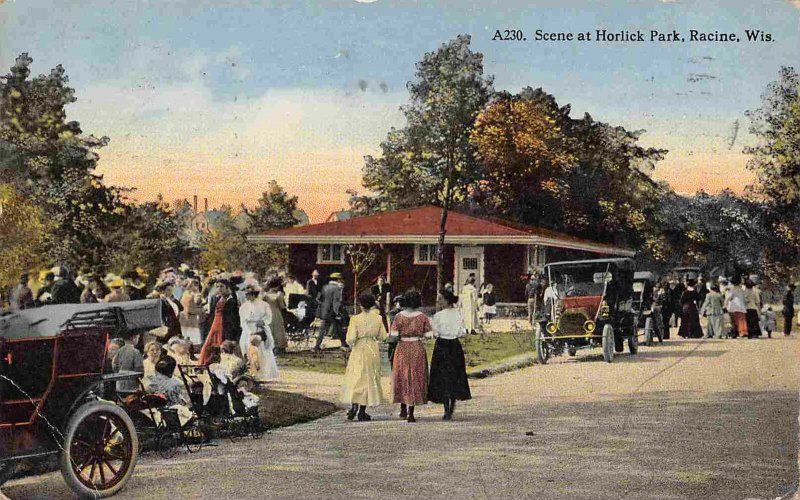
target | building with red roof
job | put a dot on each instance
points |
(402, 246)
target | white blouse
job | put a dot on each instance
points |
(448, 324)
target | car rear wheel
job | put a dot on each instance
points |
(648, 332)
(542, 348)
(608, 343)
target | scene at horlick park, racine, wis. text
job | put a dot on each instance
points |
(390, 248)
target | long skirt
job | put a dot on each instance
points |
(690, 322)
(362, 380)
(448, 372)
(753, 328)
(410, 374)
(714, 328)
(740, 322)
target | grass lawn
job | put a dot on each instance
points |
(281, 409)
(479, 351)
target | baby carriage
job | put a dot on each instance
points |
(220, 402)
(299, 318)
(160, 427)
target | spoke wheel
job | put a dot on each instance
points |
(633, 342)
(100, 450)
(167, 445)
(542, 347)
(648, 332)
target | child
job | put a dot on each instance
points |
(769, 321)
(253, 356)
(489, 303)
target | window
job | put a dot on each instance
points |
(425, 254)
(536, 258)
(330, 254)
(469, 263)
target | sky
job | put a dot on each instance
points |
(215, 99)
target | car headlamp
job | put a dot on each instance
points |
(551, 328)
(589, 326)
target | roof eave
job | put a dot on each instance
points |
(434, 239)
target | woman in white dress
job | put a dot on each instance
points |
(255, 316)
(468, 298)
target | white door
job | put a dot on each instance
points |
(468, 260)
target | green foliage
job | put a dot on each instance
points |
(275, 209)
(22, 229)
(148, 235)
(49, 161)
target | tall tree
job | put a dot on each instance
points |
(776, 160)
(431, 160)
(22, 231)
(275, 209)
(48, 160)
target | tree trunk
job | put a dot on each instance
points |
(440, 251)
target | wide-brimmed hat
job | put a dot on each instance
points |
(113, 281)
(336, 276)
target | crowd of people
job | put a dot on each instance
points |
(733, 308)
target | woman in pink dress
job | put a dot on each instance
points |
(215, 337)
(410, 367)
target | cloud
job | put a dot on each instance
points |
(795, 3)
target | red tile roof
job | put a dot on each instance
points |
(421, 225)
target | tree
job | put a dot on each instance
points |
(148, 236)
(776, 125)
(49, 161)
(22, 231)
(361, 257)
(582, 177)
(776, 160)
(275, 209)
(431, 160)
(224, 246)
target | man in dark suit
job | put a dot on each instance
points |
(383, 293)
(788, 309)
(313, 290)
(64, 290)
(331, 311)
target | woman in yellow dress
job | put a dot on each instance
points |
(362, 380)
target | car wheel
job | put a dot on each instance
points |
(633, 342)
(542, 348)
(608, 343)
(648, 332)
(100, 450)
(572, 350)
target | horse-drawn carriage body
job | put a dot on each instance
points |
(52, 362)
(588, 303)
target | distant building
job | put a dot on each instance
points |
(340, 216)
(301, 217)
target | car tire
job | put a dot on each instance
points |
(542, 349)
(608, 343)
(633, 342)
(648, 332)
(83, 425)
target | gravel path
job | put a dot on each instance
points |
(684, 419)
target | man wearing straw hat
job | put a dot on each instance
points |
(115, 283)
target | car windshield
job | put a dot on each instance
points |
(580, 280)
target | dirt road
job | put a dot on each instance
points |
(685, 419)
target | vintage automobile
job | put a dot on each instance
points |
(52, 369)
(649, 313)
(588, 304)
(683, 273)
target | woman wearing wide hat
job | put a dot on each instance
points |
(448, 369)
